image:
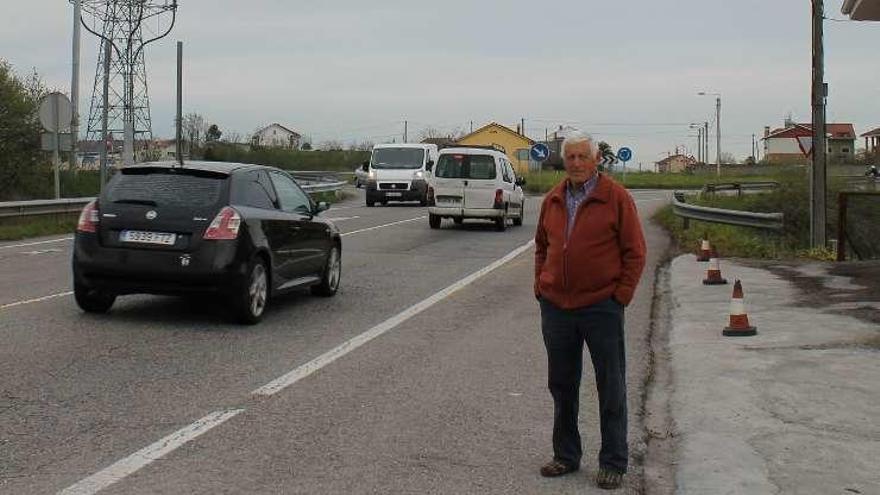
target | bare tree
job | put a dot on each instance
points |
(232, 137)
(194, 128)
(331, 145)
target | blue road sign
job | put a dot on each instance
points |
(539, 152)
(625, 154)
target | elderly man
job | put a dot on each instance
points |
(589, 256)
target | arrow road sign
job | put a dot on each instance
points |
(539, 152)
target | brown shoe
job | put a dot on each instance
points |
(609, 480)
(556, 468)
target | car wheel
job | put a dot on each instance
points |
(458, 220)
(434, 220)
(384, 202)
(371, 204)
(332, 273)
(253, 297)
(92, 300)
(501, 222)
(518, 221)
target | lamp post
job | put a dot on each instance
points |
(717, 129)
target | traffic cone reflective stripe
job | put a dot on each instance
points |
(705, 253)
(739, 320)
(713, 274)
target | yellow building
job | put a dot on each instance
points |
(514, 145)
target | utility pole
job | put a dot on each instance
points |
(179, 119)
(405, 124)
(706, 141)
(522, 127)
(74, 86)
(718, 135)
(472, 126)
(817, 176)
(104, 109)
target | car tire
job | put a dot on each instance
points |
(92, 300)
(371, 204)
(518, 221)
(501, 222)
(434, 220)
(252, 297)
(423, 201)
(331, 275)
(458, 220)
(384, 202)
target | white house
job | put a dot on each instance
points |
(276, 136)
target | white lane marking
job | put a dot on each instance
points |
(384, 225)
(36, 243)
(39, 299)
(328, 357)
(120, 469)
(41, 251)
(341, 219)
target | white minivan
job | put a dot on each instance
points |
(475, 182)
(397, 172)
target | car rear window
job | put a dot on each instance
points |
(462, 166)
(161, 187)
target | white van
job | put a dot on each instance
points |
(475, 182)
(397, 172)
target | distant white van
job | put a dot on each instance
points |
(397, 172)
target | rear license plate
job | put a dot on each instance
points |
(394, 194)
(140, 236)
(449, 200)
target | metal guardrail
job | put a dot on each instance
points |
(766, 221)
(75, 205)
(739, 187)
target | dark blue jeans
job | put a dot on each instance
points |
(565, 331)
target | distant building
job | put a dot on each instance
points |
(512, 143)
(441, 142)
(674, 164)
(872, 140)
(793, 142)
(276, 136)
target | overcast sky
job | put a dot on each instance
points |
(626, 71)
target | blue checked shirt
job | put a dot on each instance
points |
(574, 198)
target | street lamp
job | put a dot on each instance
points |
(717, 129)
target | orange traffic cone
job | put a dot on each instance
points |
(713, 274)
(704, 253)
(739, 320)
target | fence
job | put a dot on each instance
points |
(858, 225)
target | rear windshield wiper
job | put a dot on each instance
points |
(146, 202)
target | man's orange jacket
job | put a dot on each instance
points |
(602, 257)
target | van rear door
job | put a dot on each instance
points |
(448, 181)
(481, 183)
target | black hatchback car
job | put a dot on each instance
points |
(244, 232)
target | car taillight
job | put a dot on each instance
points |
(224, 226)
(430, 196)
(499, 198)
(88, 219)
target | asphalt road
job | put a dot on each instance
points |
(162, 395)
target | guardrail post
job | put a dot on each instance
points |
(841, 226)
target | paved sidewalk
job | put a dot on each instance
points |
(794, 409)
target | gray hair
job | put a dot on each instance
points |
(578, 138)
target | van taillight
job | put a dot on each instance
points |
(430, 196)
(88, 219)
(224, 226)
(499, 199)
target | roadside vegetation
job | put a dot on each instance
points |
(331, 161)
(792, 200)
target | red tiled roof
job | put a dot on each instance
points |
(835, 131)
(873, 133)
